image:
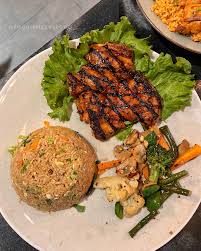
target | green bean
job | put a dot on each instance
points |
(142, 223)
(177, 183)
(177, 190)
(173, 177)
(168, 172)
(165, 195)
(119, 211)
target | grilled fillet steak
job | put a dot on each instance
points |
(108, 91)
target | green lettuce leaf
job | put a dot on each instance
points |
(122, 32)
(123, 134)
(62, 61)
(63, 112)
(173, 81)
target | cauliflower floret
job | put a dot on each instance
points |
(117, 188)
(139, 153)
(132, 205)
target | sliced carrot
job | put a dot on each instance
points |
(32, 146)
(20, 162)
(46, 123)
(145, 172)
(107, 165)
(35, 144)
(64, 138)
(162, 141)
(190, 154)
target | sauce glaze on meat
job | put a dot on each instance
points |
(108, 91)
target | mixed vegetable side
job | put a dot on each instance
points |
(144, 165)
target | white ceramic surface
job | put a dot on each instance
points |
(23, 108)
(180, 40)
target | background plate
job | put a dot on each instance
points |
(180, 40)
(23, 109)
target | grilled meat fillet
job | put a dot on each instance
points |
(108, 91)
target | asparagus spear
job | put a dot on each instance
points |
(178, 190)
(174, 149)
(142, 223)
(165, 195)
(173, 177)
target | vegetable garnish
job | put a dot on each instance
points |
(46, 123)
(150, 190)
(153, 202)
(177, 190)
(12, 150)
(119, 210)
(24, 139)
(156, 199)
(190, 154)
(142, 223)
(50, 140)
(173, 146)
(155, 180)
(161, 182)
(24, 166)
(80, 208)
(157, 157)
(123, 134)
(173, 177)
(170, 79)
(103, 166)
(156, 203)
(145, 172)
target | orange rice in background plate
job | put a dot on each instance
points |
(170, 12)
(182, 16)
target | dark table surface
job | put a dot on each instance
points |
(105, 11)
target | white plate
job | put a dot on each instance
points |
(23, 109)
(180, 40)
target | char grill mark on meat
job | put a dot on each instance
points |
(109, 91)
(91, 105)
